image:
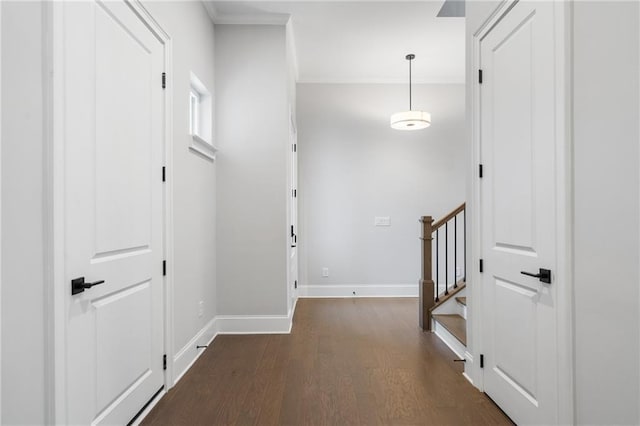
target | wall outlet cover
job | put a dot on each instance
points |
(382, 221)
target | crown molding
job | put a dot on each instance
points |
(434, 80)
(249, 19)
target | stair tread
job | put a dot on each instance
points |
(455, 324)
(462, 300)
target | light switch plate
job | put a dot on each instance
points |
(382, 221)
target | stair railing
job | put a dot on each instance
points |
(431, 244)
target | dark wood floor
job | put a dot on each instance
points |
(346, 361)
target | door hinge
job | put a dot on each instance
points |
(481, 361)
(480, 170)
(481, 265)
(295, 284)
(292, 233)
(294, 147)
(164, 361)
(164, 268)
(164, 174)
(480, 76)
(164, 80)
(295, 193)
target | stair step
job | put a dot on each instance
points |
(462, 300)
(455, 324)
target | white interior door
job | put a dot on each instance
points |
(518, 213)
(113, 211)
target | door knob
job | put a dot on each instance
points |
(544, 275)
(78, 285)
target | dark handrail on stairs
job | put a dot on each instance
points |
(428, 287)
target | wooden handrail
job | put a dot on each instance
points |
(428, 289)
(449, 216)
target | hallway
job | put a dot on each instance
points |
(346, 361)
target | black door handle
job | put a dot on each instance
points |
(78, 285)
(544, 275)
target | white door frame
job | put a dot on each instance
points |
(55, 348)
(0, 206)
(563, 14)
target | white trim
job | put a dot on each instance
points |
(255, 324)
(292, 46)
(468, 365)
(149, 407)
(187, 356)
(0, 207)
(475, 301)
(563, 12)
(203, 147)
(361, 290)
(58, 162)
(563, 58)
(48, 208)
(431, 80)
(168, 312)
(449, 339)
(211, 10)
(255, 19)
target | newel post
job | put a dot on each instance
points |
(426, 280)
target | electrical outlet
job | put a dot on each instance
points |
(325, 272)
(200, 308)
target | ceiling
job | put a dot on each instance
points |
(362, 41)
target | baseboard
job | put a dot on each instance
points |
(358, 290)
(468, 366)
(148, 408)
(229, 324)
(254, 324)
(184, 359)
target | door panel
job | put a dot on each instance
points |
(113, 211)
(518, 212)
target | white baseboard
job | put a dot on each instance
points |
(468, 366)
(229, 324)
(148, 408)
(184, 359)
(358, 290)
(254, 324)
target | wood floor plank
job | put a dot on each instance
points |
(346, 362)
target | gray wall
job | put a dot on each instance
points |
(606, 159)
(23, 270)
(253, 137)
(354, 167)
(194, 177)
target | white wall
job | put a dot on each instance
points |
(253, 137)
(354, 167)
(193, 178)
(23, 322)
(607, 252)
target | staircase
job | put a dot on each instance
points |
(443, 301)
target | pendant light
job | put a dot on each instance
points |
(410, 120)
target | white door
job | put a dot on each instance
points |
(113, 211)
(518, 213)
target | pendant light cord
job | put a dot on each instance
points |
(409, 84)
